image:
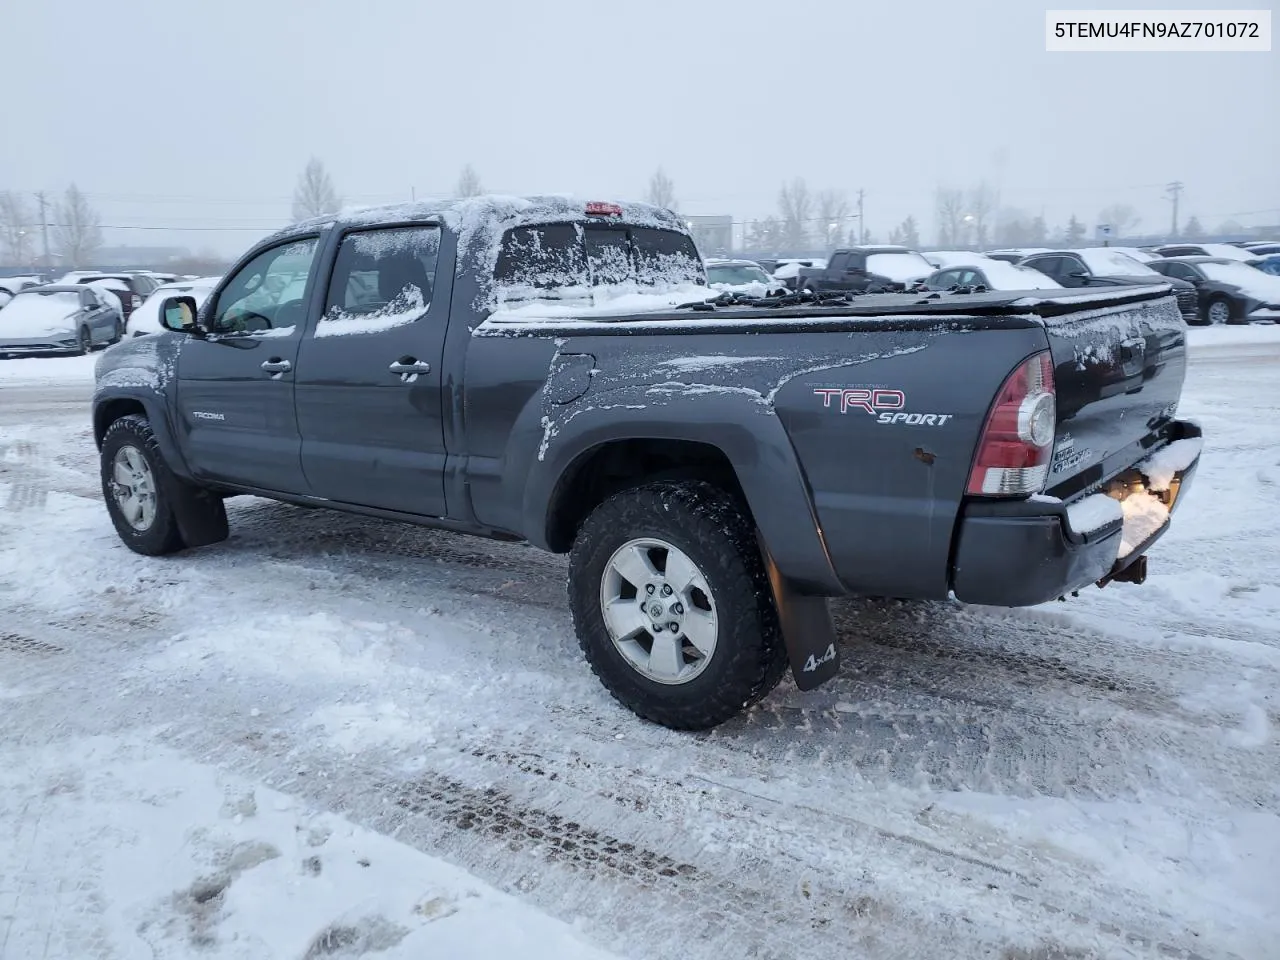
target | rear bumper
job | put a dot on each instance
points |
(1023, 552)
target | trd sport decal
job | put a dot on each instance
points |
(885, 405)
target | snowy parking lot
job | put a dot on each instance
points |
(335, 736)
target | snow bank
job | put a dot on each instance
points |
(174, 859)
(48, 370)
(1160, 467)
(1243, 335)
(1094, 513)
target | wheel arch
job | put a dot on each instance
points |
(759, 465)
(107, 410)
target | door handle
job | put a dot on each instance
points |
(276, 366)
(408, 366)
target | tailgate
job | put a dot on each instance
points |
(1118, 370)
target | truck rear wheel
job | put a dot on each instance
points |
(143, 496)
(672, 606)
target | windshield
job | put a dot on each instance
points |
(1106, 262)
(1240, 274)
(735, 273)
(899, 266)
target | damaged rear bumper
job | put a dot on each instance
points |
(1023, 552)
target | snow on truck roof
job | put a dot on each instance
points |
(471, 216)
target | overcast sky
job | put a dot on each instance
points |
(169, 115)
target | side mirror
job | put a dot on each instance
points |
(179, 314)
(1078, 275)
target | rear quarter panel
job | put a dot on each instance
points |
(846, 503)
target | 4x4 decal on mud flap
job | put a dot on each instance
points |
(883, 404)
(813, 663)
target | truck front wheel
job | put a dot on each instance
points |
(143, 496)
(672, 606)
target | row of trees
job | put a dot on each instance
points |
(316, 196)
(33, 227)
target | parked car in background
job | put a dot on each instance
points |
(146, 319)
(867, 269)
(1262, 248)
(136, 287)
(1014, 254)
(1268, 265)
(1228, 291)
(57, 319)
(745, 277)
(1104, 267)
(788, 270)
(10, 287)
(1223, 251)
(991, 275)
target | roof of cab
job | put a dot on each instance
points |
(470, 214)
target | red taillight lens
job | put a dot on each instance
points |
(597, 208)
(1017, 439)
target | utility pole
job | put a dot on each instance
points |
(1173, 191)
(862, 224)
(413, 194)
(44, 227)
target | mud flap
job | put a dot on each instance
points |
(807, 629)
(201, 515)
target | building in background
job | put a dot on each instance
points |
(713, 235)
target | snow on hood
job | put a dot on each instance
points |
(943, 259)
(755, 288)
(902, 267)
(1227, 251)
(1104, 261)
(31, 315)
(1251, 281)
(1010, 276)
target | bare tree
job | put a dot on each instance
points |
(949, 209)
(833, 210)
(796, 208)
(1231, 228)
(469, 183)
(662, 190)
(78, 230)
(982, 208)
(16, 225)
(314, 195)
(1122, 218)
(906, 234)
(764, 237)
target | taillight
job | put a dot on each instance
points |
(1017, 439)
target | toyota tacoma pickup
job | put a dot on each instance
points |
(716, 468)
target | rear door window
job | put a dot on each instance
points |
(381, 279)
(839, 263)
(535, 260)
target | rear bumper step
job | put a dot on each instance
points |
(1017, 553)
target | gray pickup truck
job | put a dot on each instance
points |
(556, 372)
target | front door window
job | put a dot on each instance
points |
(266, 293)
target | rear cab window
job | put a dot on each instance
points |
(568, 260)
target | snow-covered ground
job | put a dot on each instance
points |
(201, 754)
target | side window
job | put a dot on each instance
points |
(381, 279)
(1180, 271)
(969, 277)
(266, 293)
(666, 258)
(839, 263)
(1046, 265)
(944, 280)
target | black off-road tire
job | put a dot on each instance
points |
(173, 494)
(713, 531)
